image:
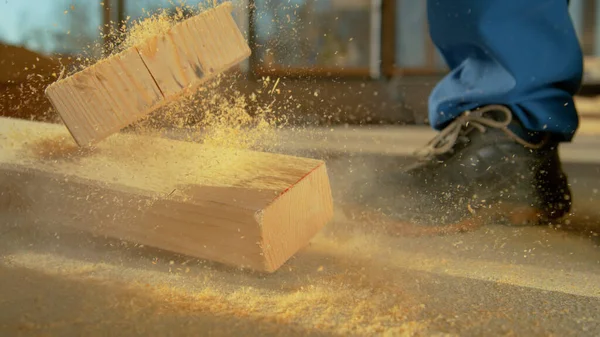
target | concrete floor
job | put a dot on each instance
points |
(353, 279)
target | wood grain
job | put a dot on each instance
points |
(241, 208)
(106, 97)
(102, 99)
(178, 60)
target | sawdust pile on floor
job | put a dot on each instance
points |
(59, 148)
(347, 295)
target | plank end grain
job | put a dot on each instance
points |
(102, 99)
(295, 217)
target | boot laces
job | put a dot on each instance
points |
(466, 123)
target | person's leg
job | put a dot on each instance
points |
(501, 112)
(522, 54)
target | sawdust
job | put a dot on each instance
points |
(360, 285)
(395, 227)
(333, 307)
(59, 148)
(149, 163)
(146, 28)
(217, 114)
(23, 77)
(346, 297)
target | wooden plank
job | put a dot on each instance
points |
(100, 100)
(241, 208)
(106, 97)
(179, 60)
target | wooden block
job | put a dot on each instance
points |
(179, 60)
(247, 209)
(102, 99)
(106, 97)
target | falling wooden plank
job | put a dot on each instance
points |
(106, 97)
(102, 99)
(242, 208)
(178, 59)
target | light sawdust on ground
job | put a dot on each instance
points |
(340, 297)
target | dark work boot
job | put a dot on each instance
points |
(484, 162)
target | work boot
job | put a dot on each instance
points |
(483, 162)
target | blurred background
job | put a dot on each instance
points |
(347, 61)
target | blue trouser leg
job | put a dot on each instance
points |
(521, 53)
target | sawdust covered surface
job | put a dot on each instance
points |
(58, 148)
(350, 281)
(151, 163)
(330, 295)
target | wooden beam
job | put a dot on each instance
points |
(178, 59)
(108, 96)
(241, 208)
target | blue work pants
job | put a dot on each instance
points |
(520, 53)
